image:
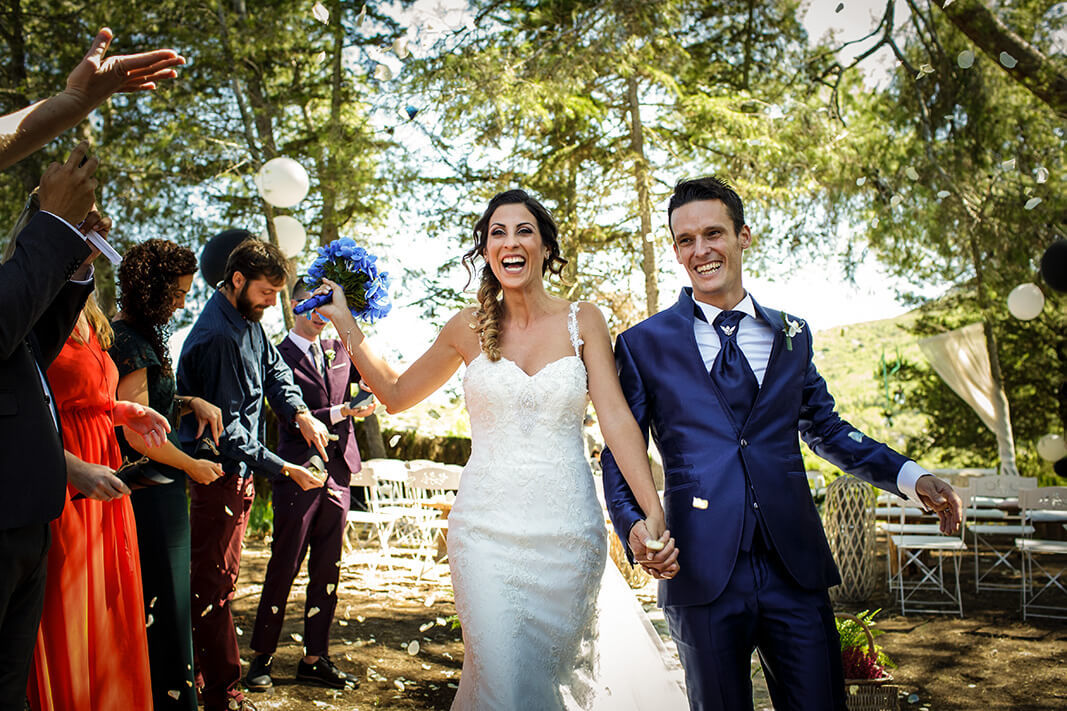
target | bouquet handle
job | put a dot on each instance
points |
(312, 303)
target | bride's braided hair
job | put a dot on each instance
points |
(491, 312)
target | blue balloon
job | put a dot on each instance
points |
(411, 111)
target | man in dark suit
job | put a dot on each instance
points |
(726, 386)
(312, 519)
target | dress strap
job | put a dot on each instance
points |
(572, 326)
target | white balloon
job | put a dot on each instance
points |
(282, 182)
(292, 237)
(1026, 301)
(1051, 447)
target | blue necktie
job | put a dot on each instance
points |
(731, 371)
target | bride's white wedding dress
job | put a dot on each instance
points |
(527, 549)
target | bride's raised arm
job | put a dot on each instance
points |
(399, 391)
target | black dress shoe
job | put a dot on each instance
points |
(324, 672)
(258, 677)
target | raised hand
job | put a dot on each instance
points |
(68, 190)
(96, 78)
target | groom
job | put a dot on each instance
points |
(726, 385)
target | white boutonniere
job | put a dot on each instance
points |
(330, 355)
(790, 329)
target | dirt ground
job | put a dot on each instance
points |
(989, 659)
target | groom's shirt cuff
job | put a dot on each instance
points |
(906, 479)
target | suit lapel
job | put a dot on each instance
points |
(685, 313)
(772, 318)
(305, 365)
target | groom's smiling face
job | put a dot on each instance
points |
(709, 248)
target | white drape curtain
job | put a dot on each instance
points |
(961, 358)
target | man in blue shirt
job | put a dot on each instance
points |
(228, 360)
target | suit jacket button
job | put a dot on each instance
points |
(744, 442)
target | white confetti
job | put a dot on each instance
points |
(398, 684)
(426, 666)
(174, 694)
(1008, 61)
(149, 621)
(360, 618)
(153, 603)
(274, 609)
(321, 13)
(343, 623)
(383, 72)
(911, 173)
(400, 47)
(855, 436)
(320, 57)
(425, 626)
(965, 59)
(240, 632)
(296, 637)
(206, 610)
(362, 16)
(313, 611)
(1042, 174)
(1008, 164)
(413, 647)
(1032, 203)
(860, 181)
(441, 622)
(330, 588)
(229, 512)
(699, 503)
(393, 440)
(895, 200)
(430, 599)
(924, 70)
(942, 194)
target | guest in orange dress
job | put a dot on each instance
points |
(92, 651)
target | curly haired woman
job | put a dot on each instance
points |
(154, 279)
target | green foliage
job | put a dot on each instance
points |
(853, 637)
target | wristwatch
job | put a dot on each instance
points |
(298, 413)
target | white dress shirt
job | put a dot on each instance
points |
(304, 345)
(755, 337)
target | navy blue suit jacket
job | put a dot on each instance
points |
(706, 456)
(320, 394)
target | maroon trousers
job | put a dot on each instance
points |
(218, 515)
(303, 519)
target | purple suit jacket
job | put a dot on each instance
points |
(320, 394)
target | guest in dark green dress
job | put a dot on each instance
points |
(154, 278)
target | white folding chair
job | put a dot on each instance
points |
(396, 500)
(1039, 505)
(990, 526)
(931, 578)
(433, 486)
(378, 523)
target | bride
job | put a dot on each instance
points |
(526, 542)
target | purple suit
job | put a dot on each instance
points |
(314, 518)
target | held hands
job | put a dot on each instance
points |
(207, 415)
(938, 496)
(314, 433)
(93, 222)
(145, 421)
(644, 538)
(96, 78)
(304, 478)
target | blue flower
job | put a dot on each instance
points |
(344, 257)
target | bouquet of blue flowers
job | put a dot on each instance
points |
(355, 270)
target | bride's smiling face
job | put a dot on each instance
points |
(514, 249)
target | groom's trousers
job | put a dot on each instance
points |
(761, 608)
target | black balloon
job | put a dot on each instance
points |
(1060, 467)
(215, 253)
(1054, 265)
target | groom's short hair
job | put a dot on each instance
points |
(707, 188)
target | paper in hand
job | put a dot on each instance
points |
(94, 238)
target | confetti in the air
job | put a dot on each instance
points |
(1008, 61)
(699, 503)
(965, 59)
(1042, 174)
(911, 173)
(1032, 203)
(321, 13)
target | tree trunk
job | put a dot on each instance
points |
(1034, 70)
(372, 431)
(644, 206)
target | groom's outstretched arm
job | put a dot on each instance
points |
(622, 505)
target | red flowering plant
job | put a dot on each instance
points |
(855, 657)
